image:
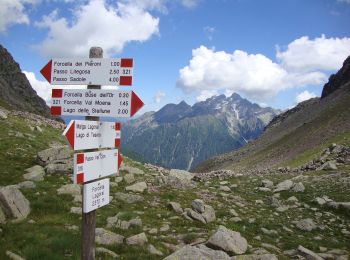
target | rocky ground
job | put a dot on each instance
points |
(156, 213)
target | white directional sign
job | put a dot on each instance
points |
(83, 134)
(94, 165)
(96, 195)
(112, 72)
(96, 102)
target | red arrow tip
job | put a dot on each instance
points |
(69, 134)
(46, 71)
(136, 103)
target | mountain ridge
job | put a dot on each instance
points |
(15, 89)
(180, 135)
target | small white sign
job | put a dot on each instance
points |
(75, 71)
(94, 102)
(96, 195)
(94, 165)
(82, 134)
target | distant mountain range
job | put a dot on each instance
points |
(181, 136)
(298, 135)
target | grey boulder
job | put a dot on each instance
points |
(227, 240)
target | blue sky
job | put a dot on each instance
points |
(272, 52)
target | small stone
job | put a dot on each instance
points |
(26, 185)
(285, 185)
(263, 189)
(118, 179)
(292, 199)
(137, 187)
(153, 231)
(176, 207)
(198, 205)
(298, 187)
(269, 232)
(329, 166)
(128, 198)
(306, 225)
(194, 215)
(308, 253)
(14, 256)
(224, 188)
(228, 240)
(164, 228)
(13, 203)
(282, 208)
(139, 239)
(76, 210)
(35, 173)
(236, 219)
(233, 213)
(267, 184)
(110, 253)
(72, 189)
(154, 251)
(129, 178)
(106, 237)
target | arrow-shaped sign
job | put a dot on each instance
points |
(83, 134)
(112, 72)
(94, 165)
(97, 102)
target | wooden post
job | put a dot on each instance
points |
(89, 219)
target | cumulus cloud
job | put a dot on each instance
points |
(158, 97)
(96, 24)
(305, 95)
(205, 94)
(321, 53)
(44, 89)
(13, 12)
(304, 62)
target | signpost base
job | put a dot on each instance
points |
(88, 235)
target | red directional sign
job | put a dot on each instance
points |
(83, 134)
(113, 72)
(96, 102)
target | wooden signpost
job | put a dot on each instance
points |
(91, 135)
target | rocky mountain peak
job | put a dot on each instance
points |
(15, 89)
(337, 80)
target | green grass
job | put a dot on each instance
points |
(49, 238)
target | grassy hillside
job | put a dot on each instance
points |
(51, 231)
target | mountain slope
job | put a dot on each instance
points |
(181, 136)
(15, 89)
(296, 135)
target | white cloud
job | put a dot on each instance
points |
(322, 53)
(96, 24)
(158, 97)
(13, 12)
(254, 75)
(209, 31)
(305, 95)
(190, 3)
(305, 62)
(205, 94)
(42, 88)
